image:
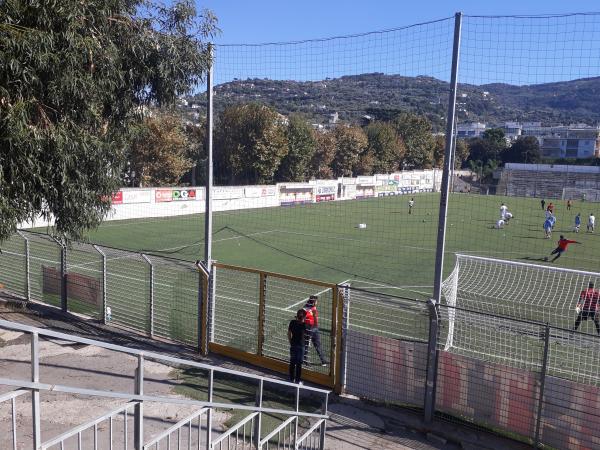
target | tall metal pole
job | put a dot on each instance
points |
(209, 164)
(441, 237)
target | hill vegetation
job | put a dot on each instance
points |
(381, 96)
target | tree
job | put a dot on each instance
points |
(385, 146)
(461, 152)
(250, 143)
(488, 150)
(158, 152)
(526, 149)
(75, 76)
(301, 148)
(415, 131)
(351, 144)
(322, 160)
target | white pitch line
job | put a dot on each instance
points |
(198, 244)
(306, 299)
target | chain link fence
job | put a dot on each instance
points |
(515, 381)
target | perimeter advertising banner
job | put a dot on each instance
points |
(325, 193)
(174, 195)
(136, 196)
(117, 198)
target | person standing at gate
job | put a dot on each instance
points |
(296, 336)
(312, 328)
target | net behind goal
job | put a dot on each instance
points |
(518, 290)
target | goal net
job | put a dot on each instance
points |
(520, 291)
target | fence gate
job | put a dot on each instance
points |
(252, 310)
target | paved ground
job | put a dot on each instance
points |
(354, 424)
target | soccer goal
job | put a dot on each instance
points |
(522, 291)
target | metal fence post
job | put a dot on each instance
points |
(63, 279)
(258, 421)
(261, 313)
(431, 375)
(151, 295)
(448, 161)
(211, 377)
(27, 266)
(139, 407)
(538, 421)
(104, 296)
(323, 430)
(344, 346)
(35, 393)
(211, 297)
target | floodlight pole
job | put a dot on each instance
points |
(209, 164)
(448, 161)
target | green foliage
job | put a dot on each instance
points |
(353, 96)
(526, 149)
(250, 143)
(350, 155)
(386, 147)
(416, 133)
(75, 75)
(157, 152)
(301, 149)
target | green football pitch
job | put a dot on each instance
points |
(396, 250)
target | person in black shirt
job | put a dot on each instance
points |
(296, 330)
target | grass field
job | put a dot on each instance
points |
(322, 241)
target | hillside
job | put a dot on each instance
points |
(378, 94)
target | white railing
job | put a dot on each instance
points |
(176, 429)
(12, 397)
(61, 440)
(245, 434)
(237, 434)
(284, 436)
(314, 438)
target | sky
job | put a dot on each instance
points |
(258, 21)
(516, 51)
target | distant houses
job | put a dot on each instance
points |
(560, 141)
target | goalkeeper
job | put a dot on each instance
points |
(587, 307)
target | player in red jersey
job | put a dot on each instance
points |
(587, 307)
(562, 247)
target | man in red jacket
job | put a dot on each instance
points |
(312, 328)
(562, 247)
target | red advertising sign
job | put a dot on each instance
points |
(163, 195)
(117, 198)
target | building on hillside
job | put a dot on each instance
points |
(566, 141)
(470, 130)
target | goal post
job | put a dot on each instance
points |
(518, 290)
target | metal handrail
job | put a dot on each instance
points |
(157, 356)
(310, 431)
(234, 428)
(13, 394)
(149, 398)
(175, 427)
(281, 426)
(78, 429)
